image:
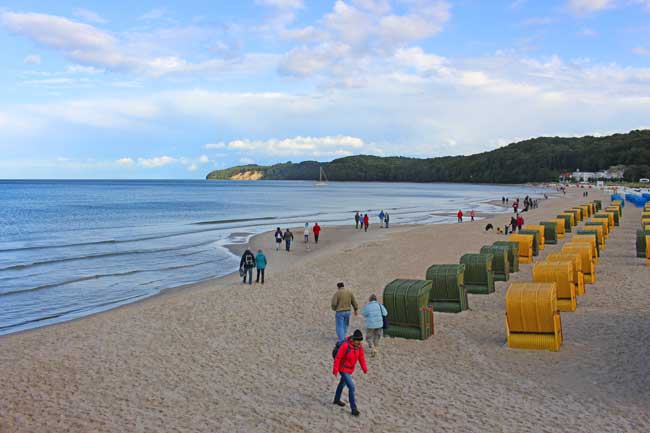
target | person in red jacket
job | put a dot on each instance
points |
(350, 351)
(460, 216)
(520, 222)
(366, 221)
(316, 231)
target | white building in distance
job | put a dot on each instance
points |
(586, 176)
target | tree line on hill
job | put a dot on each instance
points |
(536, 160)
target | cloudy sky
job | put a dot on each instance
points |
(150, 89)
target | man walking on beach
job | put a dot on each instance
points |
(246, 265)
(386, 219)
(316, 231)
(288, 238)
(460, 216)
(343, 302)
(347, 355)
(357, 218)
(381, 218)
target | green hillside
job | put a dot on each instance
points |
(536, 160)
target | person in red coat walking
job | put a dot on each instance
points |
(460, 216)
(316, 231)
(366, 221)
(349, 352)
(520, 222)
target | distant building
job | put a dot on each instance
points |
(586, 176)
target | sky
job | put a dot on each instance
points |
(151, 89)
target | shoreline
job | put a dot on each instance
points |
(223, 356)
(253, 241)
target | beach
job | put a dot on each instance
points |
(223, 356)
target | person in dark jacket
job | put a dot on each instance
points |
(246, 265)
(278, 238)
(357, 219)
(288, 238)
(349, 352)
(513, 223)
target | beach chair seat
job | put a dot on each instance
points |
(448, 294)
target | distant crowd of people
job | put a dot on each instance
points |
(362, 222)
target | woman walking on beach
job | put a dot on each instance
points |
(374, 314)
(366, 222)
(460, 216)
(246, 265)
(288, 238)
(316, 231)
(520, 222)
(349, 352)
(260, 262)
(278, 238)
(472, 214)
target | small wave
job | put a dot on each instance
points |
(95, 277)
(102, 255)
(242, 220)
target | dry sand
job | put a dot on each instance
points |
(221, 356)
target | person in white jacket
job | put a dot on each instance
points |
(374, 314)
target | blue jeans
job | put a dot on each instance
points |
(346, 380)
(248, 272)
(342, 323)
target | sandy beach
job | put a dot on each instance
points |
(221, 356)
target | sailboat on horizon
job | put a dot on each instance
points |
(321, 176)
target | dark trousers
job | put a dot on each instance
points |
(287, 244)
(365, 227)
(260, 272)
(316, 238)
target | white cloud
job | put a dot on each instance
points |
(126, 162)
(33, 59)
(582, 7)
(192, 167)
(203, 159)
(158, 161)
(316, 146)
(89, 16)
(283, 4)
(219, 145)
(79, 69)
(152, 15)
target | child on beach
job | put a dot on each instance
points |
(260, 263)
(349, 352)
(374, 314)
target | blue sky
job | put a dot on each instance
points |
(155, 89)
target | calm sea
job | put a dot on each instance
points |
(72, 248)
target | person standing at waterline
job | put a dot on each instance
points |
(342, 303)
(246, 265)
(381, 218)
(460, 216)
(366, 222)
(345, 361)
(357, 218)
(374, 314)
(278, 238)
(288, 238)
(260, 263)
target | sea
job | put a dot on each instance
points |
(70, 248)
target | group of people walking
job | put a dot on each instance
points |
(349, 350)
(287, 236)
(249, 262)
(460, 215)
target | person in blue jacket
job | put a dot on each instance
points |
(374, 314)
(260, 262)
